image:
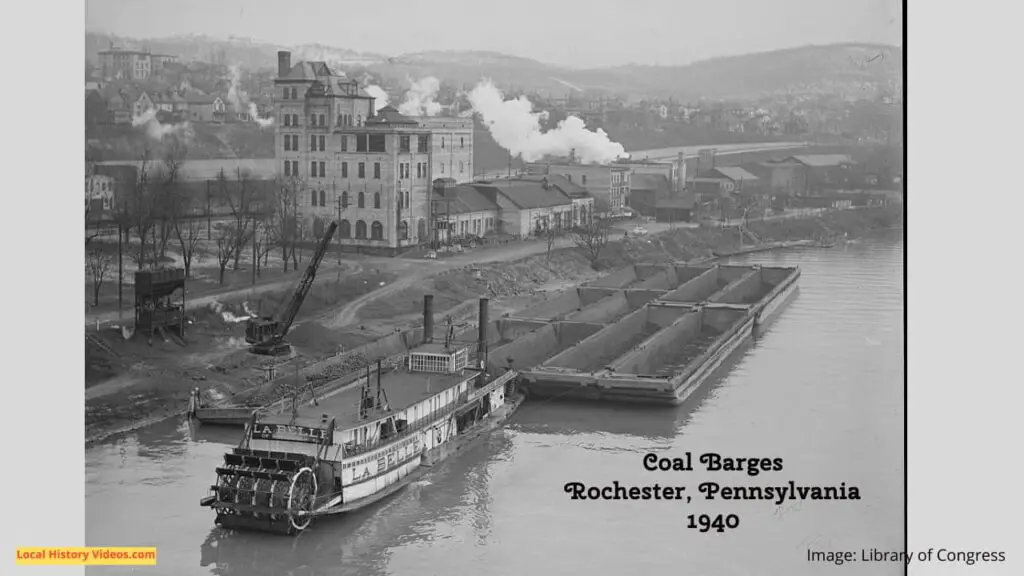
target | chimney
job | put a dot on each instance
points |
(284, 63)
(572, 156)
(428, 318)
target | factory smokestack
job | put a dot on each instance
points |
(428, 318)
(481, 352)
(284, 63)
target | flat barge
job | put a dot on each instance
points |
(359, 444)
(647, 333)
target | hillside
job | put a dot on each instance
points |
(835, 68)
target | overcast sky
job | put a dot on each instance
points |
(574, 33)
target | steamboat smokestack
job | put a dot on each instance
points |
(482, 334)
(428, 318)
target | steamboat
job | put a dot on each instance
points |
(361, 443)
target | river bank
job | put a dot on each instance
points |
(154, 382)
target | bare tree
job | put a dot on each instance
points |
(550, 236)
(283, 224)
(592, 238)
(99, 264)
(189, 231)
(240, 201)
(140, 209)
(225, 245)
(168, 202)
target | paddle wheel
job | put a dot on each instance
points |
(267, 491)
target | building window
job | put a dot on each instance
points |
(344, 142)
(361, 142)
(442, 143)
(378, 143)
(323, 198)
(287, 143)
(344, 199)
(407, 200)
(323, 142)
(345, 229)
(377, 231)
(295, 167)
(312, 143)
(361, 199)
(421, 144)
(360, 226)
(323, 121)
(403, 143)
(323, 169)
(403, 230)
(312, 119)
(362, 169)
(295, 94)
(584, 177)
(442, 167)
(460, 166)
(287, 120)
(287, 168)
(295, 119)
(312, 199)
(312, 169)
(462, 143)
(344, 169)
(376, 200)
(376, 170)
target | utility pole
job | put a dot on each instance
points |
(337, 200)
(255, 262)
(120, 261)
(208, 234)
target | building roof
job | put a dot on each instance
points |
(390, 115)
(821, 160)
(308, 71)
(463, 199)
(656, 182)
(734, 173)
(528, 195)
(682, 202)
(194, 98)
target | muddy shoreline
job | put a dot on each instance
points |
(511, 285)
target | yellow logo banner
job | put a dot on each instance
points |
(86, 556)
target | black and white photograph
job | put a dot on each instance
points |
(568, 288)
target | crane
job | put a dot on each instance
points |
(265, 335)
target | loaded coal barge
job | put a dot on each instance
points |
(362, 443)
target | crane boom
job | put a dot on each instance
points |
(266, 335)
(285, 323)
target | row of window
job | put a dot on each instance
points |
(321, 120)
(364, 142)
(376, 230)
(319, 198)
(318, 169)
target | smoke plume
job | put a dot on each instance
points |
(239, 100)
(380, 97)
(516, 127)
(154, 128)
(420, 99)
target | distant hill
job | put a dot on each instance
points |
(836, 68)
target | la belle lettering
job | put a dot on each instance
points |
(286, 432)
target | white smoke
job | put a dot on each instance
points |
(240, 100)
(380, 97)
(420, 99)
(516, 127)
(154, 128)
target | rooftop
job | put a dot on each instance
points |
(821, 160)
(527, 195)
(656, 182)
(734, 173)
(401, 387)
(464, 199)
(390, 115)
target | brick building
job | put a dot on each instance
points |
(370, 171)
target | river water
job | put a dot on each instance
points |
(822, 388)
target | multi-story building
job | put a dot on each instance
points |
(607, 183)
(119, 63)
(370, 171)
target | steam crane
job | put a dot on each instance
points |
(266, 334)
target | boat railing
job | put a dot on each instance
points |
(427, 421)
